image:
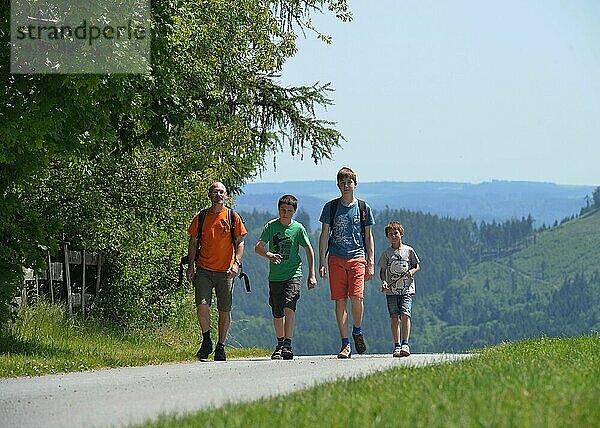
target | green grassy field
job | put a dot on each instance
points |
(43, 341)
(534, 383)
(531, 383)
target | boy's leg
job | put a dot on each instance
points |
(289, 316)
(279, 326)
(356, 284)
(395, 326)
(286, 349)
(338, 286)
(276, 302)
(291, 297)
(358, 309)
(406, 308)
(405, 328)
(341, 316)
(406, 311)
(393, 305)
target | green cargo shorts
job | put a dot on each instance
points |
(205, 281)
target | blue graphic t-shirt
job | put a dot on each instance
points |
(346, 241)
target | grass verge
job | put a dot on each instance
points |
(534, 383)
(42, 341)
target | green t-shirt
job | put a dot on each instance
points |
(285, 240)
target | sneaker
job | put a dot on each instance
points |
(404, 350)
(220, 352)
(276, 355)
(286, 352)
(345, 352)
(397, 351)
(205, 350)
(359, 343)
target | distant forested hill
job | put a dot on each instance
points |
(489, 201)
(529, 283)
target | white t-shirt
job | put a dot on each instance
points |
(396, 261)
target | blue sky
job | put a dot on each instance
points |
(465, 91)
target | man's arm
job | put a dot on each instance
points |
(192, 244)
(370, 253)
(238, 253)
(323, 246)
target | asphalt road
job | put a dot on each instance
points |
(118, 397)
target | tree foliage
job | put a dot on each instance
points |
(119, 163)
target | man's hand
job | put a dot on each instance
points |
(190, 273)
(233, 270)
(312, 282)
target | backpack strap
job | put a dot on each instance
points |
(231, 219)
(201, 217)
(332, 210)
(362, 207)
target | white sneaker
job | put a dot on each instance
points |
(404, 350)
(397, 351)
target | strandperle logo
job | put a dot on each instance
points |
(74, 36)
(90, 33)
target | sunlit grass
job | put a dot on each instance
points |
(42, 340)
(534, 383)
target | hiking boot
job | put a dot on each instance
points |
(359, 343)
(220, 352)
(397, 351)
(205, 350)
(345, 352)
(286, 352)
(276, 355)
(404, 350)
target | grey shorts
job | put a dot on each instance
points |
(399, 304)
(205, 281)
(284, 294)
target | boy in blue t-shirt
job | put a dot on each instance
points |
(348, 256)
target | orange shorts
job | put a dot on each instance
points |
(346, 277)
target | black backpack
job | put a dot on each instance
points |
(185, 259)
(362, 207)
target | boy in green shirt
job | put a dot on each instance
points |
(285, 236)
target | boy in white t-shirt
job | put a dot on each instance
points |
(397, 267)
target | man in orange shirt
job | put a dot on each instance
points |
(217, 264)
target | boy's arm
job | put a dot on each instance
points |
(411, 272)
(370, 254)
(310, 259)
(261, 249)
(384, 284)
(323, 246)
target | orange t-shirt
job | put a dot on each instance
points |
(216, 248)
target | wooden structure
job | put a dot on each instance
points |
(72, 276)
